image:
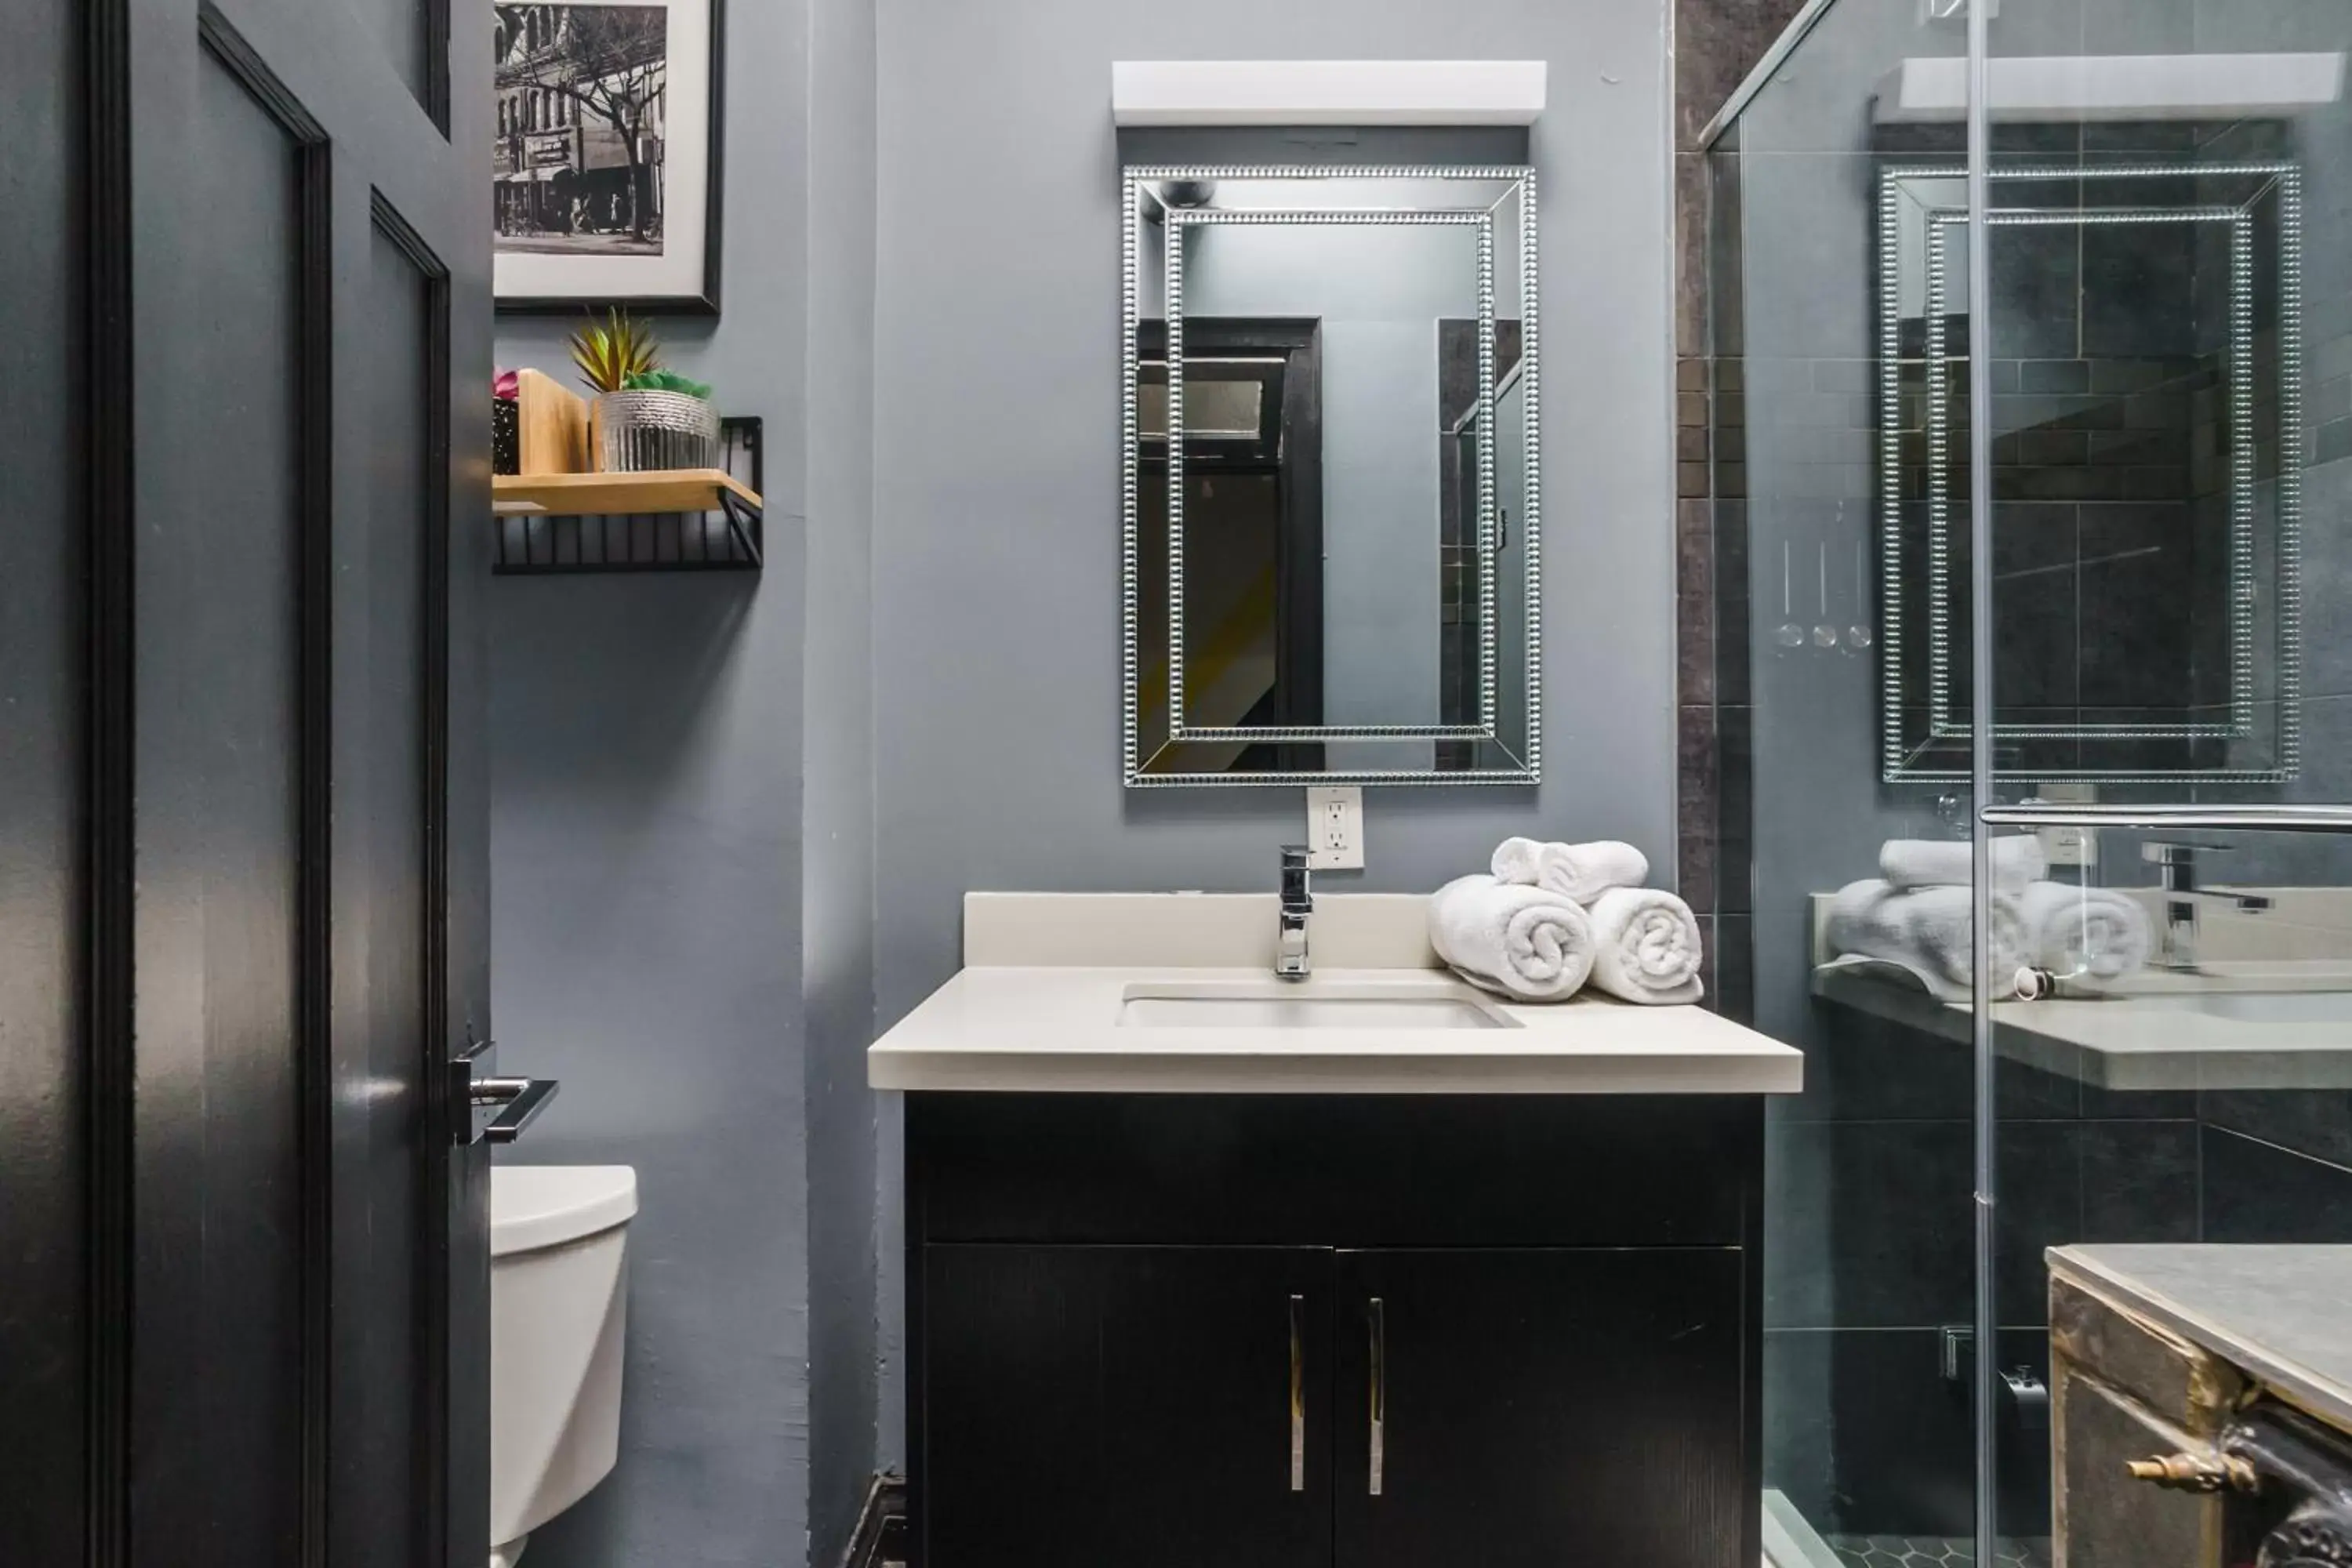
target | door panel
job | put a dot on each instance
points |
(44, 910)
(1477, 1467)
(243, 1309)
(219, 844)
(385, 805)
(1086, 1406)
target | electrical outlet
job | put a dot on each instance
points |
(2068, 845)
(1335, 829)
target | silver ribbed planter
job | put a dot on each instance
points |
(634, 432)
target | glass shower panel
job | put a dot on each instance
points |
(2170, 245)
(1868, 1430)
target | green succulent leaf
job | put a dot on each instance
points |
(609, 352)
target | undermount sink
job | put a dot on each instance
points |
(1272, 1009)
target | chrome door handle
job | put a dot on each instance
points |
(517, 1101)
(1298, 1395)
(1380, 1392)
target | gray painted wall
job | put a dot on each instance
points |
(996, 504)
(681, 854)
(837, 890)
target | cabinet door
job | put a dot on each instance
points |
(1539, 1409)
(1136, 1406)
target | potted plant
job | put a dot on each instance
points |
(643, 416)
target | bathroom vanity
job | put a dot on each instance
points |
(1366, 1269)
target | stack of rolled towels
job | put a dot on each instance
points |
(1552, 917)
(1918, 913)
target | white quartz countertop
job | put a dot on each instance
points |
(2284, 1314)
(1032, 1028)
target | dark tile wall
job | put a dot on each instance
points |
(1862, 1430)
(1717, 43)
(1867, 1436)
(1869, 1209)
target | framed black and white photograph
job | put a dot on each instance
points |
(606, 170)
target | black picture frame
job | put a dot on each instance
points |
(705, 302)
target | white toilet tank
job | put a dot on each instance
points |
(559, 1303)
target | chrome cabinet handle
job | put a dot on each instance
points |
(519, 1100)
(1380, 1331)
(1298, 1395)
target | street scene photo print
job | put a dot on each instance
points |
(603, 153)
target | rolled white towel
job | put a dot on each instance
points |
(2084, 931)
(1523, 942)
(1925, 929)
(2017, 859)
(1647, 946)
(1579, 871)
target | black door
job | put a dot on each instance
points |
(1538, 1409)
(248, 328)
(1138, 1406)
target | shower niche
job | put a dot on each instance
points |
(2143, 383)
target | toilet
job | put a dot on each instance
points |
(559, 1302)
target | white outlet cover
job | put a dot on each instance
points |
(1335, 827)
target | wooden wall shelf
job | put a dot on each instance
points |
(680, 519)
(618, 494)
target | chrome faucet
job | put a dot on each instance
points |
(1291, 959)
(2178, 864)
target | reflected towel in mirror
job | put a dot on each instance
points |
(2085, 930)
(1926, 929)
(2017, 859)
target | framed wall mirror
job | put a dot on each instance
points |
(1332, 551)
(2145, 450)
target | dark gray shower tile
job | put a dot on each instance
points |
(1691, 251)
(2311, 1121)
(1735, 733)
(2054, 375)
(2256, 1192)
(2036, 281)
(2052, 447)
(2137, 574)
(2140, 1181)
(2129, 448)
(2140, 136)
(1862, 1432)
(2326, 560)
(1808, 255)
(1698, 794)
(1733, 963)
(1716, 42)
(1860, 1067)
(2039, 1182)
(2034, 605)
(1726, 330)
(1872, 1221)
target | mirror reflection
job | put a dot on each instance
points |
(1329, 403)
(2147, 599)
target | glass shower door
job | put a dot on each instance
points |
(2165, 451)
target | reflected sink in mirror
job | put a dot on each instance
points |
(1192, 1008)
(2254, 1006)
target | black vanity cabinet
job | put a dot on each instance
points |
(1305, 1331)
